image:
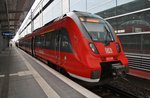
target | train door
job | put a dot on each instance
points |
(63, 46)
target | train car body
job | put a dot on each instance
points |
(83, 44)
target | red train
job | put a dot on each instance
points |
(81, 43)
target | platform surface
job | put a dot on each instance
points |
(22, 76)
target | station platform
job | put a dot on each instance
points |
(139, 73)
(22, 76)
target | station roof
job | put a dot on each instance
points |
(12, 13)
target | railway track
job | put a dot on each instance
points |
(119, 93)
(107, 91)
(117, 88)
(120, 88)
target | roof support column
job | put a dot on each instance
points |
(32, 22)
(6, 6)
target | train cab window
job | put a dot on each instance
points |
(65, 41)
(97, 28)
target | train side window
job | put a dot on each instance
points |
(50, 40)
(47, 40)
(29, 43)
(42, 41)
(53, 40)
(37, 42)
(57, 40)
(65, 41)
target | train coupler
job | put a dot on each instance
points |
(119, 70)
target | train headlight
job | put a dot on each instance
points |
(95, 74)
(118, 47)
(93, 48)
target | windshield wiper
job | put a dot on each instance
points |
(107, 41)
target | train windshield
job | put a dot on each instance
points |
(98, 29)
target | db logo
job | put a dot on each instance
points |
(108, 50)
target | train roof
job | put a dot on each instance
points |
(74, 15)
(70, 14)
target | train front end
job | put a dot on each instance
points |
(105, 56)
